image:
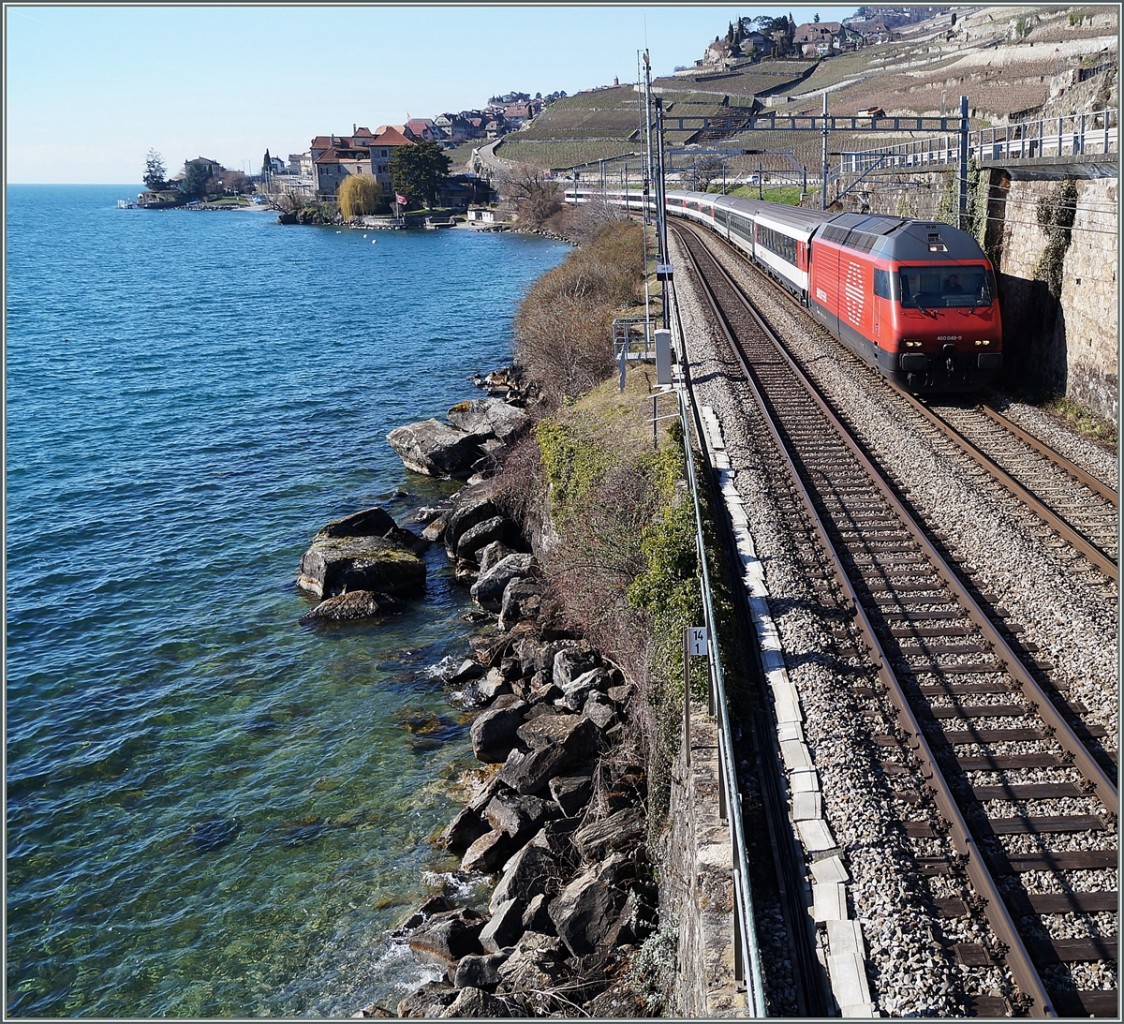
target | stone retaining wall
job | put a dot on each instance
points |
(697, 891)
(1068, 344)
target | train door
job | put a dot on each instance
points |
(881, 291)
(824, 285)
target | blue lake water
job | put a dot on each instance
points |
(190, 396)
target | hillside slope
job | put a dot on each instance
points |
(1013, 63)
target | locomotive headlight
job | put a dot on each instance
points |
(983, 341)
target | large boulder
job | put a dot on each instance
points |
(475, 1003)
(489, 417)
(587, 908)
(505, 927)
(535, 964)
(531, 870)
(489, 852)
(448, 936)
(519, 816)
(335, 564)
(480, 536)
(374, 522)
(427, 1002)
(621, 831)
(522, 599)
(489, 587)
(436, 449)
(479, 971)
(470, 506)
(493, 731)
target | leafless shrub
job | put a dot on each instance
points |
(582, 224)
(518, 489)
(563, 325)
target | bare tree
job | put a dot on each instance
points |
(535, 196)
(705, 171)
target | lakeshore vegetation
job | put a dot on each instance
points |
(619, 559)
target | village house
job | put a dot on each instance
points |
(421, 129)
(335, 157)
(719, 53)
(515, 115)
(382, 149)
(758, 44)
(824, 38)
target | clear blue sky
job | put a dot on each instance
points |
(90, 89)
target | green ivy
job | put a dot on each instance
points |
(572, 467)
(1056, 214)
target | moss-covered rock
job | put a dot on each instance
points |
(333, 565)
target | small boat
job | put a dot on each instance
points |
(432, 224)
(126, 204)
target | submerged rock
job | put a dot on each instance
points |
(353, 605)
(214, 834)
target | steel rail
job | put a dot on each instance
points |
(1075, 471)
(1069, 533)
(1019, 960)
(1104, 785)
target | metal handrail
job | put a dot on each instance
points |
(1045, 138)
(745, 923)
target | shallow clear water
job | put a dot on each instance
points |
(190, 397)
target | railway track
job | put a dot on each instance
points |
(1080, 509)
(1003, 796)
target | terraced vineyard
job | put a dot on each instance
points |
(990, 55)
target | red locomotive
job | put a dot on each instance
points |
(914, 299)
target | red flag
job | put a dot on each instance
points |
(402, 200)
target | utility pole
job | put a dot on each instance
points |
(823, 170)
(663, 268)
(647, 136)
(964, 130)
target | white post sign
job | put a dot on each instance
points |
(694, 646)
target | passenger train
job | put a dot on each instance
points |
(914, 299)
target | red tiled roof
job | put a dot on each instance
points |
(391, 137)
(335, 156)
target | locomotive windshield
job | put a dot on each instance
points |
(934, 286)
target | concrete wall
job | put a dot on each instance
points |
(1066, 345)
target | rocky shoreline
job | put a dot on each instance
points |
(556, 813)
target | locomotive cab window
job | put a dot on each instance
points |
(942, 287)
